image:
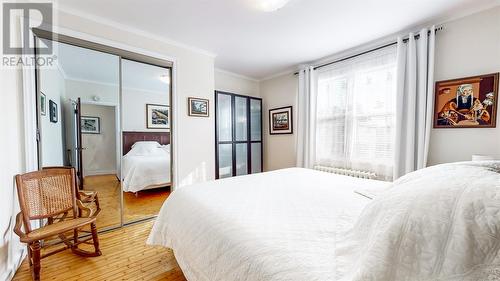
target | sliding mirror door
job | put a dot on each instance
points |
(78, 110)
(146, 150)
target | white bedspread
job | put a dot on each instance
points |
(440, 223)
(278, 225)
(144, 170)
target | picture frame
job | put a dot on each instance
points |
(469, 102)
(281, 120)
(157, 116)
(198, 107)
(53, 114)
(90, 125)
(43, 104)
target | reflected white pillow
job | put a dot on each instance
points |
(148, 144)
(145, 148)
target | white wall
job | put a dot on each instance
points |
(99, 157)
(134, 108)
(236, 84)
(466, 47)
(12, 162)
(279, 150)
(52, 134)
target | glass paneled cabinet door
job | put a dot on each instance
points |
(238, 135)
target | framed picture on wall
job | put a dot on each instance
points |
(91, 125)
(43, 104)
(281, 121)
(157, 116)
(198, 107)
(53, 112)
(469, 102)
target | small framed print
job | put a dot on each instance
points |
(53, 112)
(157, 116)
(469, 102)
(91, 125)
(43, 104)
(281, 121)
(198, 107)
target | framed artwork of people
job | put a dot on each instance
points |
(469, 102)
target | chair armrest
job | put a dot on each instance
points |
(19, 223)
(83, 208)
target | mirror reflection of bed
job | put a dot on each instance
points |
(146, 178)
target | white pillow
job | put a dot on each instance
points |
(149, 144)
(144, 148)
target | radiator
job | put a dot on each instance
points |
(346, 172)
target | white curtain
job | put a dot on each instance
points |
(355, 113)
(305, 119)
(414, 103)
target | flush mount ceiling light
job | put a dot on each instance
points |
(272, 5)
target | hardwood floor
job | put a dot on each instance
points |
(147, 203)
(125, 256)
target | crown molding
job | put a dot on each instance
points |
(236, 75)
(289, 71)
(62, 8)
(81, 80)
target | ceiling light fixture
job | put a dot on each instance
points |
(272, 5)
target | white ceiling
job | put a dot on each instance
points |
(88, 65)
(257, 44)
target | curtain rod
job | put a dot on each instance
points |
(369, 51)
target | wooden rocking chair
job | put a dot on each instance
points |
(51, 194)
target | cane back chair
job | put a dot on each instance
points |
(51, 194)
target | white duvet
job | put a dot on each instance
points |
(145, 168)
(440, 223)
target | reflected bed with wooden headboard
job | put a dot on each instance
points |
(145, 168)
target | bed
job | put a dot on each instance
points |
(439, 223)
(146, 161)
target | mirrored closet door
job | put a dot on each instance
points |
(79, 122)
(146, 157)
(107, 113)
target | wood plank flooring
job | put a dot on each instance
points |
(147, 203)
(125, 257)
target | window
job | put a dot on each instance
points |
(355, 109)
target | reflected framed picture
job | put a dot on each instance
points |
(281, 121)
(53, 112)
(43, 104)
(157, 116)
(198, 107)
(91, 125)
(469, 102)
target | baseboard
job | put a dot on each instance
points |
(99, 172)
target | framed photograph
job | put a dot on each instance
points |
(53, 112)
(157, 116)
(43, 104)
(469, 102)
(198, 107)
(91, 125)
(281, 121)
